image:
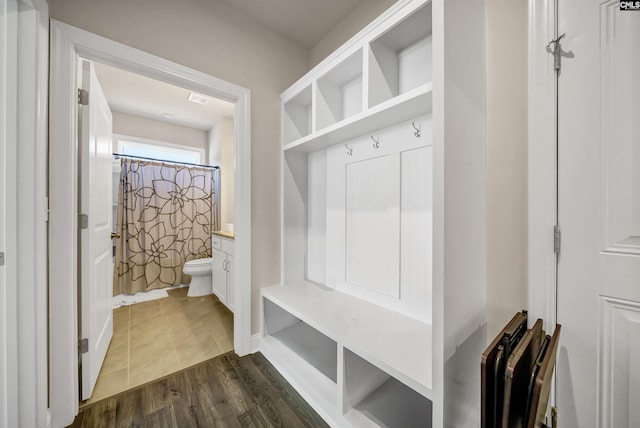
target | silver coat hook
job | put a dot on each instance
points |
(376, 142)
(349, 150)
(556, 51)
(417, 131)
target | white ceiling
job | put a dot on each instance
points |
(302, 21)
(131, 93)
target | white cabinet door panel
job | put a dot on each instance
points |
(230, 288)
(220, 275)
(372, 215)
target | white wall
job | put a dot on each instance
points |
(150, 129)
(355, 21)
(506, 161)
(221, 153)
(212, 37)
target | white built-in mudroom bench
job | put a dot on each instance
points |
(380, 319)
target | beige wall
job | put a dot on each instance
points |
(506, 161)
(150, 129)
(211, 37)
(221, 153)
(355, 21)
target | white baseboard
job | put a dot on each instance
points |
(255, 343)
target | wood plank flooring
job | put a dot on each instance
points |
(226, 391)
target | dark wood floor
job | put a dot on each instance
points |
(227, 391)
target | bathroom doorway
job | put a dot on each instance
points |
(68, 44)
(160, 324)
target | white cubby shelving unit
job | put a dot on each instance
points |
(381, 314)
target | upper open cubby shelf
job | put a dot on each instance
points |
(381, 80)
(400, 59)
(297, 116)
(339, 92)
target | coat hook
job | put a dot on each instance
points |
(349, 150)
(418, 131)
(376, 142)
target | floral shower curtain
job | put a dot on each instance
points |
(166, 213)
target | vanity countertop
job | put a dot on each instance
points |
(228, 235)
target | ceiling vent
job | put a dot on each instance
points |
(198, 98)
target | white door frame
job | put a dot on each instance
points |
(8, 274)
(542, 163)
(542, 166)
(24, 25)
(67, 44)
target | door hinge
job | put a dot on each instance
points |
(556, 51)
(83, 97)
(84, 221)
(557, 236)
(2, 258)
(83, 345)
(554, 417)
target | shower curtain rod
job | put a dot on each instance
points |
(118, 155)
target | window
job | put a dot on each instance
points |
(158, 150)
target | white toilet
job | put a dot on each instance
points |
(200, 271)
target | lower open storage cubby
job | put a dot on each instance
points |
(374, 398)
(357, 364)
(305, 341)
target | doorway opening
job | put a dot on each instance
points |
(160, 323)
(68, 46)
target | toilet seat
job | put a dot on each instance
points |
(198, 265)
(197, 262)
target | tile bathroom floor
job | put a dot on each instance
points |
(156, 338)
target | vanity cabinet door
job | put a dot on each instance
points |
(230, 288)
(220, 275)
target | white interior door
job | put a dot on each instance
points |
(599, 214)
(95, 248)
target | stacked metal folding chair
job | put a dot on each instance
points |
(517, 368)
